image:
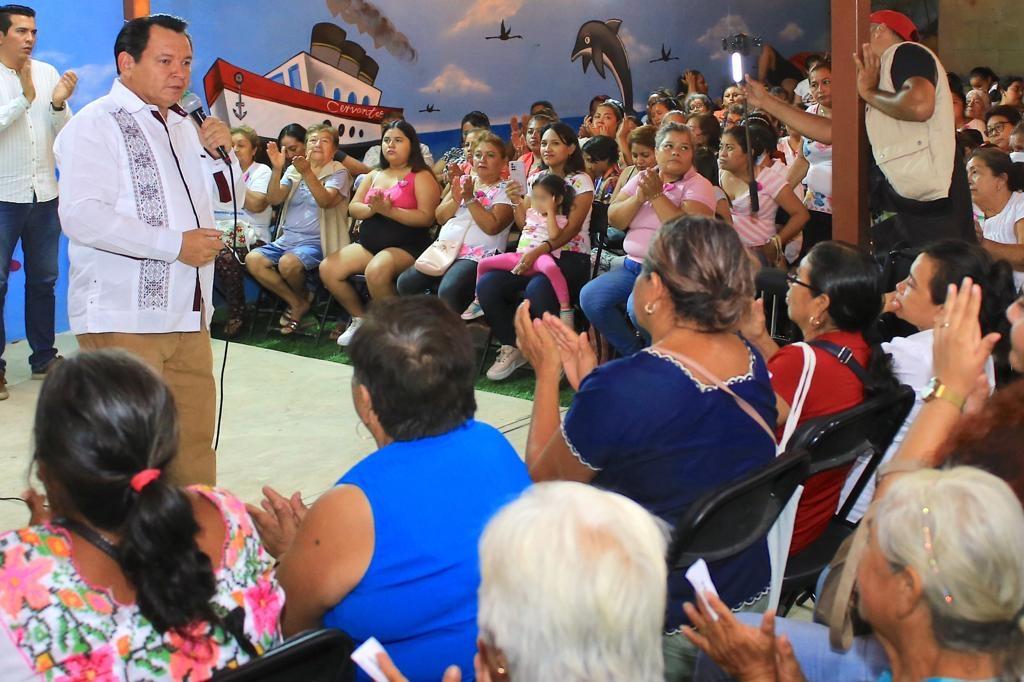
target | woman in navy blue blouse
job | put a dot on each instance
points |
(649, 426)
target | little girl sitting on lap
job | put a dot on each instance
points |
(546, 216)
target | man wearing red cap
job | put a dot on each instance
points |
(909, 121)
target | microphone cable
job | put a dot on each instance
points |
(227, 341)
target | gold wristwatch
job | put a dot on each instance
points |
(936, 389)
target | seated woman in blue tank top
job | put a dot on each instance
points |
(391, 551)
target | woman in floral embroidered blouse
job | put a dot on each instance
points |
(126, 577)
(478, 208)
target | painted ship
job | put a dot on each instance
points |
(333, 83)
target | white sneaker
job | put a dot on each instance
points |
(350, 332)
(473, 311)
(508, 361)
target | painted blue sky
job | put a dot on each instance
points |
(69, 40)
(457, 70)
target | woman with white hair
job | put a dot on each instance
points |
(588, 602)
(941, 583)
(572, 589)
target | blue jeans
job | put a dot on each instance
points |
(602, 300)
(37, 226)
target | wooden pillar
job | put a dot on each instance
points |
(140, 8)
(850, 28)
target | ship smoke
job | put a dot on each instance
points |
(368, 19)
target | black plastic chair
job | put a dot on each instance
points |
(311, 656)
(598, 232)
(731, 518)
(836, 441)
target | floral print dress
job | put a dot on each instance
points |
(58, 627)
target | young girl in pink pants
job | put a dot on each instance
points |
(550, 202)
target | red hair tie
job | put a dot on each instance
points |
(144, 478)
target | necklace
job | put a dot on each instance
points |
(90, 535)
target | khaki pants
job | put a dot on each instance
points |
(185, 361)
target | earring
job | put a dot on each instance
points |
(814, 321)
(649, 308)
(368, 436)
(500, 670)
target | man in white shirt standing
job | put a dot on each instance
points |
(33, 109)
(137, 184)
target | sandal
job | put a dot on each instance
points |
(233, 327)
(285, 318)
(292, 327)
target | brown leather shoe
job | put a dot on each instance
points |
(4, 395)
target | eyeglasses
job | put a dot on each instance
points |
(792, 279)
(996, 128)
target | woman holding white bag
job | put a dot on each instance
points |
(834, 296)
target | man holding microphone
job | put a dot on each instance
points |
(137, 207)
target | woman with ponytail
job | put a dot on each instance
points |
(126, 576)
(834, 297)
(758, 230)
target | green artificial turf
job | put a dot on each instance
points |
(303, 343)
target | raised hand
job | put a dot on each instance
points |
(649, 184)
(537, 343)
(64, 89)
(869, 69)
(755, 91)
(578, 357)
(468, 183)
(379, 203)
(744, 652)
(517, 139)
(301, 164)
(277, 519)
(959, 351)
(28, 88)
(276, 156)
(215, 133)
(38, 512)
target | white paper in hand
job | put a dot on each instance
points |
(366, 658)
(700, 578)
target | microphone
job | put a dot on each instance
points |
(194, 108)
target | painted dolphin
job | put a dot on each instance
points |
(599, 42)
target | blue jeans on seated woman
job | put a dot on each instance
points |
(501, 292)
(602, 300)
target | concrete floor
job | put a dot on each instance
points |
(288, 422)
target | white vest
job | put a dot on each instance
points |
(916, 157)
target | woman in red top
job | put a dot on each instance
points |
(834, 296)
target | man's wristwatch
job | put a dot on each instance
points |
(62, 107)
(936, 389)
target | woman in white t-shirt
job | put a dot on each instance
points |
(758, 231)
(478, 208)
(252, 228)
(997, 189)
(918, 300)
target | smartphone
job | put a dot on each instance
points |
(517, 172)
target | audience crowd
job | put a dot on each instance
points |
(450, 549)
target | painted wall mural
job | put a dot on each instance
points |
(440, 59)
(348, 61)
